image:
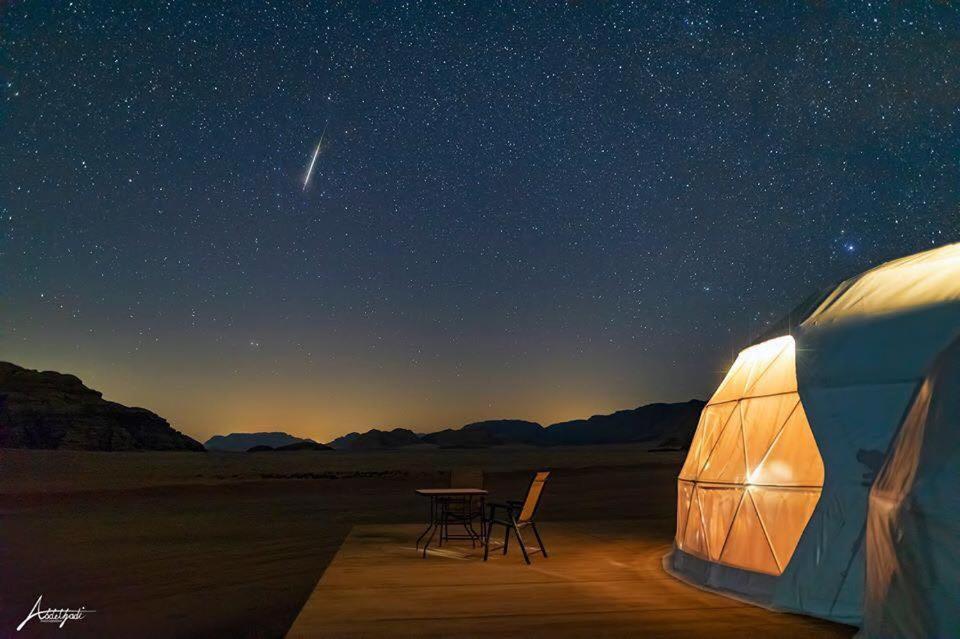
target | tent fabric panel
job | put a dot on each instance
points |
(718, 505)
(911, 581)
(694, 537)
(712, 421)
(745, 584)
(898, 474)
(727, 462)
(691, 463)
(853, 426)
(763, 357)
(684, 495)
(747, 545)
(916, 281)
(912, 563)
(793, 459)
(720, 417)
(780, 376)
(734, 383)
(750, 367)
(784, 514)
(789, 323)
(763, 419)
(871, 350)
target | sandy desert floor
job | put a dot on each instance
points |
(232, 545)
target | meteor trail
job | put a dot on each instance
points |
(313, 160)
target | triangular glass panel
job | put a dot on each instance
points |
(726, 462)
(747, 545)
(712, 422)
(684, 494)
(763, 417)
(784, 514)
(793, 458)
(780, 376)
(694, 538)
(718, 506)
(764, 355)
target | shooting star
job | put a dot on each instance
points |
(313, 160)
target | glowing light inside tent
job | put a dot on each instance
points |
(753, 474)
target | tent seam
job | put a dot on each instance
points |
(726, 537)
(766, 535)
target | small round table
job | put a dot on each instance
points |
(440, 499)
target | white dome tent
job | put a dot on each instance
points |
(773, 496)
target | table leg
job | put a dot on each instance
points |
(429, 539)
(436, 522)
(444, 520)
(429, 526)
(423, 534)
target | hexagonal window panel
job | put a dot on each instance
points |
(753, 474)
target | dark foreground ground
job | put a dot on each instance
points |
(193, 545)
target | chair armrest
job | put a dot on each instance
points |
(494, 505)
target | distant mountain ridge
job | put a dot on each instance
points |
(240, 442)
(343, 442)
(669, 425)
(296, 446)
(376, 439)
(662, 425)
(50, 410)
(489, 433)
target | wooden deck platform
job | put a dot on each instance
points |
(602, 579)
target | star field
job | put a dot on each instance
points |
(537, 210)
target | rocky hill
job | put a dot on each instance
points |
(661, 425)
(376, 439)
(488, 433)
(239, 442)
(379, 439)
(664, 425)
(343, 442)
(53, 410)
(459, 438)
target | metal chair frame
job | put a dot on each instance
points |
(512, 510)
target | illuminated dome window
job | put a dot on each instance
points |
(753, 474)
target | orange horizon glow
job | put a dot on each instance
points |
(201, 401)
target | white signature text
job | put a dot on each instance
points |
(59, 616)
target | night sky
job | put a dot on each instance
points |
(536, 211)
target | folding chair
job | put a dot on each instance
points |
(517, 515)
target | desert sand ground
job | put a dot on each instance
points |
(232, 545)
